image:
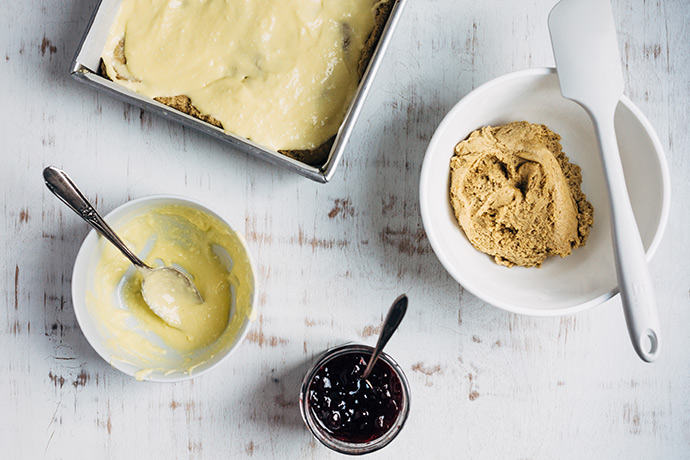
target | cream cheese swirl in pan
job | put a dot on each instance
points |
(279, 72)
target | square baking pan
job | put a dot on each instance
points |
(85, 68)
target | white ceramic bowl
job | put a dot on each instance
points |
(587, 277)
(168, 370)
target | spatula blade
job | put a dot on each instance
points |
(585, 46)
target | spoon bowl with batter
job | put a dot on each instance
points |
(166, 290)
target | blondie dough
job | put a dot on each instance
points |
(517, 196)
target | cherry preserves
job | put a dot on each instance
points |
(350, 408)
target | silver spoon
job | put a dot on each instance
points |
(62, 186)
(390, 324)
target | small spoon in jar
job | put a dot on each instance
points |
(164, 289)
(390, 324)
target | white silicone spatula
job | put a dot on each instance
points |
(585, 46)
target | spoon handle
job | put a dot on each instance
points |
(390, 324)
(62, 186)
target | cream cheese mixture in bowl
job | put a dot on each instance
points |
(170, 231)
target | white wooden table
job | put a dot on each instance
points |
(331, 258)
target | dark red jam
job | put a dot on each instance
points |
(346, 406)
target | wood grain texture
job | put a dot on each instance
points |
(331, 258)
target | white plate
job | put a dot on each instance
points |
(587, 277)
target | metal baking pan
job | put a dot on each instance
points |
(85, 69)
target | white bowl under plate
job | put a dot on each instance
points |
(562, 285)
(83, 281)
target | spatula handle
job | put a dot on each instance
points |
(634, 281)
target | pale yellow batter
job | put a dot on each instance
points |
(215, 259)
(173, 298)
(279, 72)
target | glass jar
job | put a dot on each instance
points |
(327, 436)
